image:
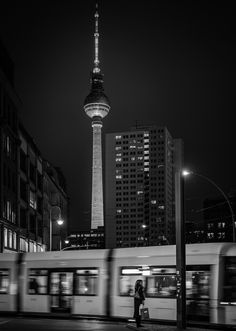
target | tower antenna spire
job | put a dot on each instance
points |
(96, 68)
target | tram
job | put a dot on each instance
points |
(100, 282)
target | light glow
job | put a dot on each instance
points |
(186, 172)
(60, 221)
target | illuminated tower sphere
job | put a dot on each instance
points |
(97, 106)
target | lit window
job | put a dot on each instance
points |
(161, 207)
(5, 238)
(118, 159)
(139, 192)
(146, 134)
(146, 152)
(118, 211)
(146, 169)
(210, 235)
(118, 154)
(10, 238)
(132, 146)
(146, 141)
(221, 225)
(118, 137)
(153, 202)
(132, 158)
(118, 148)
(221, 235)
(118, 177)
(140, 158)
(146, 163)
(33, 202)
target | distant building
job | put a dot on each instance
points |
(91, 239)
(218, 221)
(139, 187)
(24, 192)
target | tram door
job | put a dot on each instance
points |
(198, 292)
(61, 291)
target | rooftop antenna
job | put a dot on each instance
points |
(96, 68)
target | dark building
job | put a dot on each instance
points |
(55, 206)
(23, 174)
(9, 160)
(139, 187)
(218, 218)
(194, 233)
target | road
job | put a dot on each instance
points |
(51, 324)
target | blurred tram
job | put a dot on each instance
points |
(101, 282)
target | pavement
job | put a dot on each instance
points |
(56, 324)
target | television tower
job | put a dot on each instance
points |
(97, 106)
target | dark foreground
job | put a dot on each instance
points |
(49, 324)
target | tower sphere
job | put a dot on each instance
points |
(96, 104)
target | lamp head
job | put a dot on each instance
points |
(60, 221)
(186, 173)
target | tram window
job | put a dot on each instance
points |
(229, 286)
(161, 282)
(198, 282)
(128, 277)
(4, 281)
(37, 281)
(86, 282)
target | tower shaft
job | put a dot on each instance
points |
(97, 217)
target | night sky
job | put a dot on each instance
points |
(169, 63)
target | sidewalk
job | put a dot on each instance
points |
(159, 327)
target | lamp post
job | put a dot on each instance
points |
(186, 173)
(180, 239)
(60, 222)
(180, 251)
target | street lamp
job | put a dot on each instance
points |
(59, 221)
(186, 173)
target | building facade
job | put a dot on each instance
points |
(55, 207)
(139, 187)
(30, 183)
(91, 239)
(23, 173)
(9, 160)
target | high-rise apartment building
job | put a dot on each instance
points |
(139, 187)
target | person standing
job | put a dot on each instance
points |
(138, 300)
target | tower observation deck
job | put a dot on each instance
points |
(97, 106)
